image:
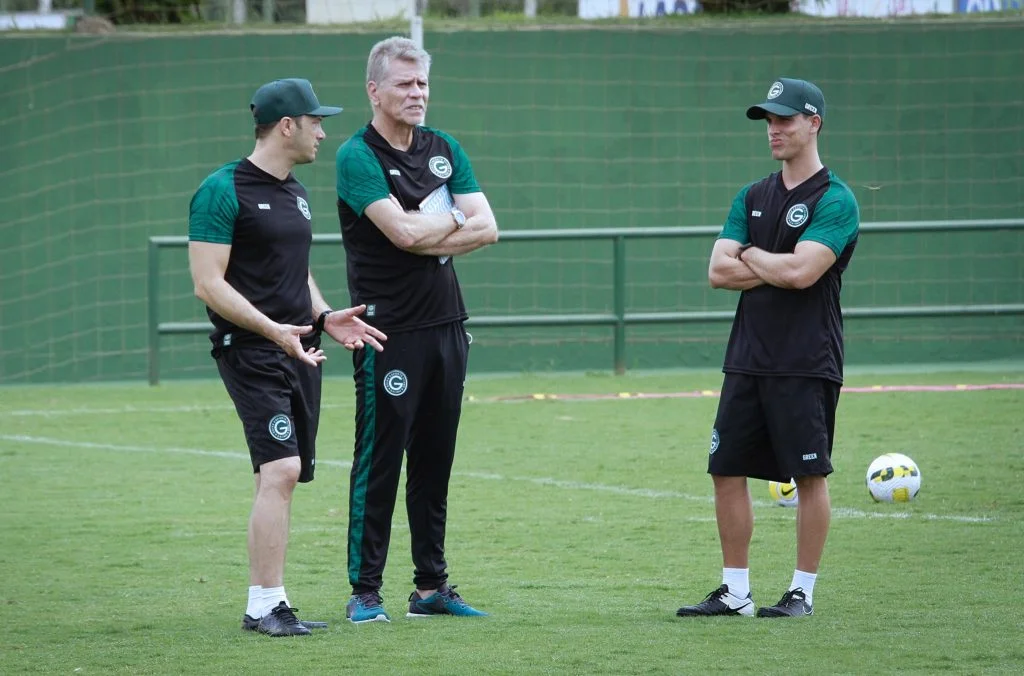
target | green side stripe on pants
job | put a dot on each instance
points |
(361, 471)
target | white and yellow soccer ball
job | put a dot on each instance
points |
(893, 477)
(783, 493)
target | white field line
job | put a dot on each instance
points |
(123, 410)
(837, 512)
(472, 400)
(332, 531)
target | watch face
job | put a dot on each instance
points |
(460, 217)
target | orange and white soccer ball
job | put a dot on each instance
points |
(893, 477)
(783, 493)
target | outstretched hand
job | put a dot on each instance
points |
(290, 342)
(353, 333)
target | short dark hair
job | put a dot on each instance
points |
(263, 130)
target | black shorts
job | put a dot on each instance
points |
(774, 427)
(277, 398)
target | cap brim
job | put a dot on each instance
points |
(324, 111)
(759, 111)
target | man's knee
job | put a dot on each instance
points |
(280, 474)
(729, 486)
(806, 484)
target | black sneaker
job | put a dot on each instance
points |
(793, 604)
(282, 622)
(720, 602)
(250, 623)
(445, 601)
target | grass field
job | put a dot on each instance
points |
(580, 524)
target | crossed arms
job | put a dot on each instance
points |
(436, 234)
(797, 270)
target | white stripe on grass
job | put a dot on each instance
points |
(837, 512)
(517, 399)
(125, 410)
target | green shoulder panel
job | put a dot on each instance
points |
(463, 181)
(836, 219)
(736, 226)
(214, 207)
(360, 178)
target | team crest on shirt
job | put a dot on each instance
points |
(304, 208)
(797, 215)
(396, 383)
(440, 166)
(281, 427)
(714, 442)
(775, 90)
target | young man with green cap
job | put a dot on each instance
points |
(785, 245)
(249, 242)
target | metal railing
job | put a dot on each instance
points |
(618, 318)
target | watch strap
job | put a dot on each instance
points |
(319, 326)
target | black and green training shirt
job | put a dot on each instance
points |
(268, 224)
(796, 332)
(402, 291)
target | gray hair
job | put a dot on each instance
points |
(386, 51)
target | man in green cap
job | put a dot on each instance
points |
(785, 244)
(249, 235)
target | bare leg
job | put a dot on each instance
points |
(735, 515)
(813, 515)
(269, 521)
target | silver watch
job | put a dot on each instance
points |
(460, 218)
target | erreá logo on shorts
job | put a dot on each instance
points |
(440, 166)
(396, 383)
(281, 427)
(796, 215)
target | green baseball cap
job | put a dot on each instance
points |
(788, 97)
(290, 97)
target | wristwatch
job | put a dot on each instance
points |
(460, 218)
(319, 326)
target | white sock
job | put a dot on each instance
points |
(738, 581)
(255, 604)
(271, 597)
(806, 582)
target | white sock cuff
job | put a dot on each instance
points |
(805, 581)
(271, 597)
(738, 581)
(254, 606)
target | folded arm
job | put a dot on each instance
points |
(797, 270)
(727, 271)
(410, 231)
(479, 231)
(436, 234)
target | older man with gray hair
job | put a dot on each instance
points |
(409, 204)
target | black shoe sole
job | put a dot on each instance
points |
(772, 612)
(249, 624)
